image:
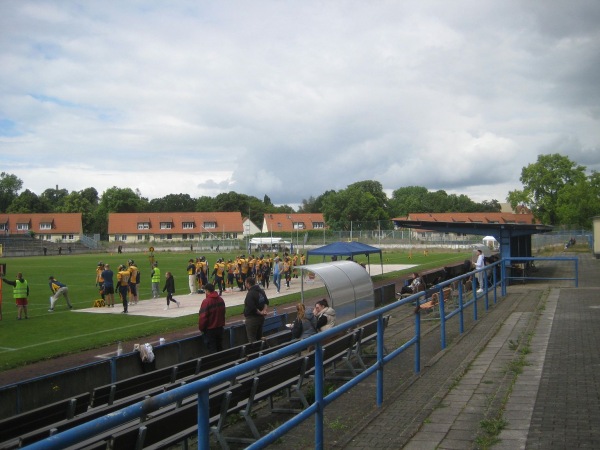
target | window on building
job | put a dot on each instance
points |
(143, 225)
(140, 237)
(166, 225)
(3, 226)
(187, 225)
(45, 226)
(298, 225)
(318, 225)
(210, 225)
(22, 226)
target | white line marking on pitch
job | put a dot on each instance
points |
(82, 335)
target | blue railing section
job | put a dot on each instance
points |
(201, 388)
(528, 269)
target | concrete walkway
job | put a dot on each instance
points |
(535, 375)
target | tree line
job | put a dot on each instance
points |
(557, 191)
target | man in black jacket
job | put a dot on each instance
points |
(255, 309)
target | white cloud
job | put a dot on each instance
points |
(293, 99)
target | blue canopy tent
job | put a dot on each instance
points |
(346, 249)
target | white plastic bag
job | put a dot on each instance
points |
(146, 353)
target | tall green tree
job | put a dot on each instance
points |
(406, 200)
(54, 197)
(28, 202)
(375, 188)
(490, 206)
(349, 207)
(173, 202)
(314, 205)
(542, 183)
(76, 202)
(579, 202)
(10, 185)
(91, 195)
(122, 200)
(205, 204)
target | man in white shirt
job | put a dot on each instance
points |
(479, 265)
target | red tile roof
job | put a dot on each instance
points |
(286, 221)
(60, 223)
(127, 223)
(484, 217)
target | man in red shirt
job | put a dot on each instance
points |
(211, 319)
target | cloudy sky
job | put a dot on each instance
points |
(293, 98)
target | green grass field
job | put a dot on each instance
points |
(47, 335)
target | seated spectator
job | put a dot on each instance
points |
(415, 286)
(325, 315)
(305, 324)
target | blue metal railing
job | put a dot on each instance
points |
(201, 388)
(527, 268)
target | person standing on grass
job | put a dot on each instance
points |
(20, 294)
(58, 290)
(123, 286)
(155, 279)
(100, 280)
(230, 274)
(170, 288)
(109, 286)
(191, 271)
(219, 274)
(134, 275)
(277, 270)
(255, 310)
(211, 319)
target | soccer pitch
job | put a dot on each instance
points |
(49, 334)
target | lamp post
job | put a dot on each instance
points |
(247, 229)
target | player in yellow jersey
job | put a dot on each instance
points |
(203, 271)
(134, 274)
(218, 273)
(123, 286)
(287, 271)
(243, 262)
(230, 266)
(99, 279)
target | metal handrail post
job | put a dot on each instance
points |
(475, 299)
(418, 342)
(495, 281)
(319, 390)
(461, 314)
(485, 290)
(503, 270)
(442, 319)
(380, 352)
(203, 421)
